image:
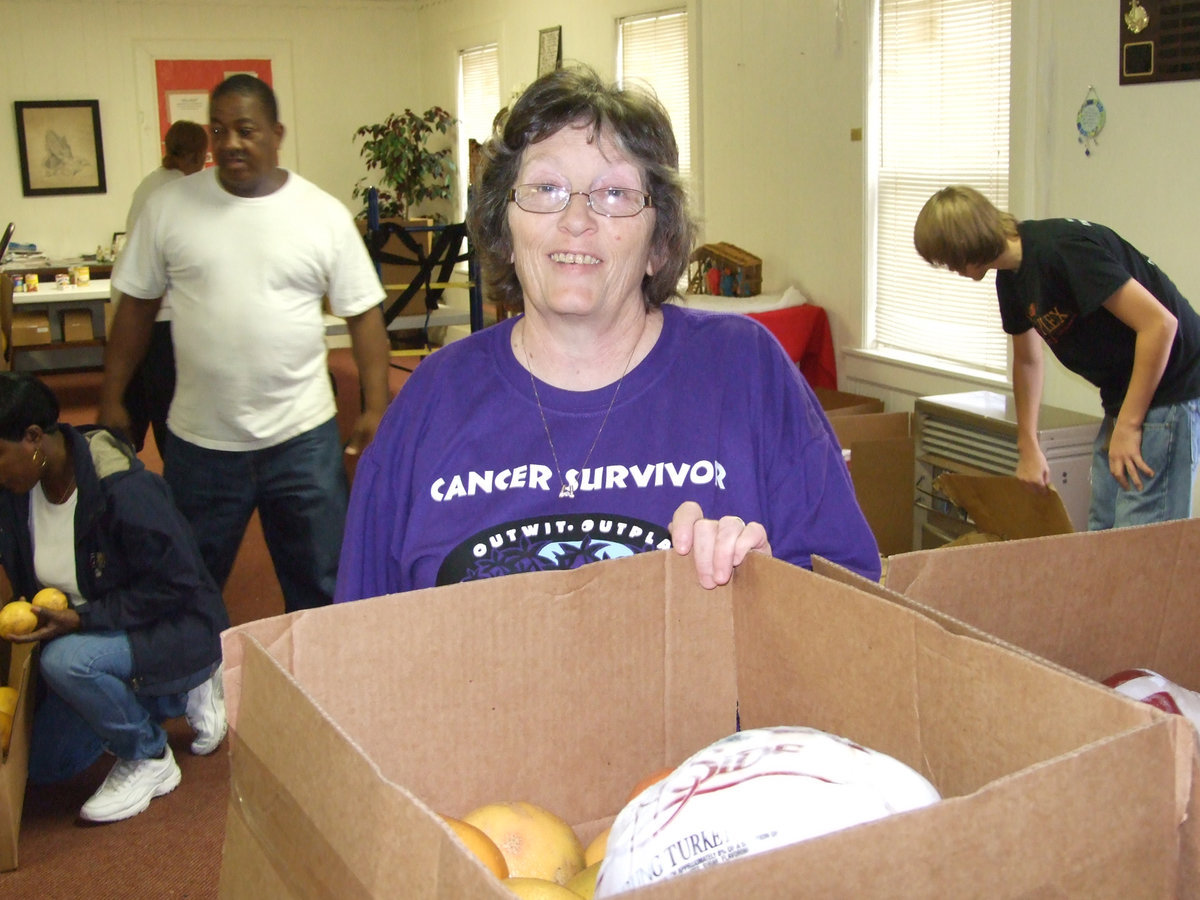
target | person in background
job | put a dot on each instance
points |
(602, 422)
(139, 641)
(153, 382)
(244, 253)
(1110, 315)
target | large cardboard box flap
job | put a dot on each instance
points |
(354, 725)
(1096, 603)
(14, 764)
(882, 459)
(1001, 506)
(844, 403)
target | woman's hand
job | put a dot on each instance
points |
(717, 545)
(51, 624)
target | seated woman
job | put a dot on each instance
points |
(140, 639)
(601, 422)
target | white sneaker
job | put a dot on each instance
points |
(130, 787)
(206, 713)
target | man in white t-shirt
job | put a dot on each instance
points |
(149, 393)
(244, 254)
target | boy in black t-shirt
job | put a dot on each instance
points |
(1110, 315)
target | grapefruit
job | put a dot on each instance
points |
(50, 598)
(596, 849)
(479, 844)
(538, 889)
(535, 842)
(652, 778)
(584, 884)
(17, 617)
(8, 709)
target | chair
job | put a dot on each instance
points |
(431, 253)
(8, 233)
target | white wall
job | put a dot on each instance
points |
(781, 85)
(332, 73)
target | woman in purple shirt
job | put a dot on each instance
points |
(601, 422)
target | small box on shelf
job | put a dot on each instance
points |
(30, 328)
(77, 325)
(724, 270)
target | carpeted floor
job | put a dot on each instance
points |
(174, 848)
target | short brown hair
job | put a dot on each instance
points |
(958, 226)
(185, 139)
(639, 125)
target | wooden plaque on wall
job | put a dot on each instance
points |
(1160, 40)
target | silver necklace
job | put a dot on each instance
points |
(565, 491)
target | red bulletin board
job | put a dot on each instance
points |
(186, 83)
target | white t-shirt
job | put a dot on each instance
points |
(245, 277)
(53, 530)
(141, 194)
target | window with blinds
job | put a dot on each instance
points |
(653, 50)
(942, 118)
(478, 103)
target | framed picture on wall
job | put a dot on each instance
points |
(549, 50)
(60, 147)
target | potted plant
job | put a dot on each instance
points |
(409, 170)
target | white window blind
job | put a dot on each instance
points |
(943, 105)
(478, 103)
(653, 49)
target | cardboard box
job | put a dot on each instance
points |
(1002, 508)
(16, 660)
(842, 403)
(30, 328)
(77, 325)
(1095, 602)
(352, 726)
(882, 460)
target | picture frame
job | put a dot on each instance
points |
(549, 50)
(60, 146)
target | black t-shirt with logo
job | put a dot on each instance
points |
(1068, 269)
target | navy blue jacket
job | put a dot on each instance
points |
(136, 560)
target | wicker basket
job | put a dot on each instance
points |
(724, 270)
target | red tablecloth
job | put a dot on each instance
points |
(804, 332)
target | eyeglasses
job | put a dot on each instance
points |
(616, 203)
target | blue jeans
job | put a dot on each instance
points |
(90, 706)
(1171, 447)
(301, 493)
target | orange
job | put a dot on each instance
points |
(17, 617)
(596, 849)
(535, 842)
(584, 884)
(50, 598)
(652, 778)
(479, 844)
(538, 889)
(8, 709)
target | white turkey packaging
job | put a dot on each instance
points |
(751, 792)
(1150, 687)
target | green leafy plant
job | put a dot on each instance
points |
(409, 171)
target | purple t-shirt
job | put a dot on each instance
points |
(460, 482)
